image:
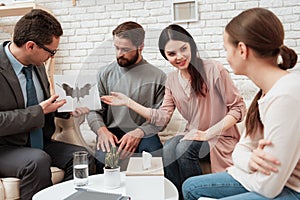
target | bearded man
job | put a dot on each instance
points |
(133, 76)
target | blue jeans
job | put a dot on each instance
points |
(223, 186)
(150, 143)
(182, 159)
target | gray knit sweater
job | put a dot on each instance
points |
(142, 82)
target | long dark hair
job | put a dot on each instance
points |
(195, 68)
(263, 32)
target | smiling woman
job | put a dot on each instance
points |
(178, 54)
(205, 96)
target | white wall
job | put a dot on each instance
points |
(86, 43)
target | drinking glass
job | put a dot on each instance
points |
(80, 168)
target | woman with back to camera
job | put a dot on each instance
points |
(266, 160)
(206, 97)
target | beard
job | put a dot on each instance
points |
(124, 62)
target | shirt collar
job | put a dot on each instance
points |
(17, 66)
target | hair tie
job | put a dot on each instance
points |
(281, 46)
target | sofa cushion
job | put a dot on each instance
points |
(57, 175)
(9, 187)
(176, 124)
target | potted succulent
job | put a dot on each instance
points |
(112, 178)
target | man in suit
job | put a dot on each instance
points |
(35, 40)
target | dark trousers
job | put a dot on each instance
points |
(151, 144)
(32, 166)
(181, 159)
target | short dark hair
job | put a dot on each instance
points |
(38, 26)
(132, 31)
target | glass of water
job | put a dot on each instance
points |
(80, 168)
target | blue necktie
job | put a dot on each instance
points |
(36, 135)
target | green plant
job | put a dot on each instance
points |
(112, 158)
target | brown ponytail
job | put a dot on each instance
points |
(252, 119)
(253, 122)
(289, 57)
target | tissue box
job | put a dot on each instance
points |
(145, 184)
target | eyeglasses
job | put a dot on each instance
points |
(52, 52)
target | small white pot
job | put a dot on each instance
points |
(112, 178)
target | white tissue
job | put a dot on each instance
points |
(146, 160)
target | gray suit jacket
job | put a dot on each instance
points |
(16, 121)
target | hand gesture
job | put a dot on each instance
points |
(106, 139)
(195, 134)
(129, 143)
(261, 161)
(51, 105)
(80, 111)
(115, 99)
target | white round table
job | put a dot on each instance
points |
(63, 190)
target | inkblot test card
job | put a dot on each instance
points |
(79, 91)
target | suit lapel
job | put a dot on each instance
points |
(8, 73)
